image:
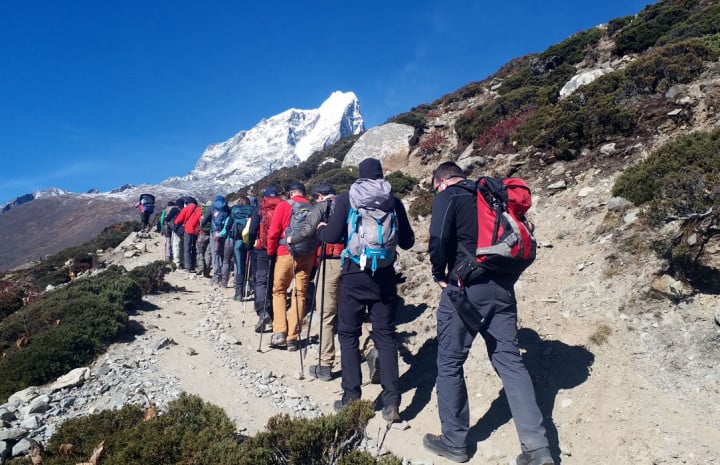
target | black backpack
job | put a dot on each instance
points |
(298, 219)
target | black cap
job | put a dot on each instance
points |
(323, 188)
(270, 192)
(370, 168)
(297, 186)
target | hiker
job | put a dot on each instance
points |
(235, 250)
(454, 225)
(177, 233)
(165, 229)
(330, 259)
(261, 264)
(146, 205)
(216, 218)
(189, 217)
(204, 250)
(370, 282)
(293, 262)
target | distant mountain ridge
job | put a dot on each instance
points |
(283, 140)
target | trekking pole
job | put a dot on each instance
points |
(322, 307)
(264, 312)
(321, 264)
(246, 286)
(297, 312)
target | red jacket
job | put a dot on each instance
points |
(280, 222)
(190, 216)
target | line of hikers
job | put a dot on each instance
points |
(348, 242)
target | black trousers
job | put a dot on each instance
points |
(262, 269)
(378, 292)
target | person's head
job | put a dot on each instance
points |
(270, 192)
(219, 198)
(296, 188)
(323, 189)
(447, 174)
(370, 168)
(171, 203)
(242, 200)
(180, 202)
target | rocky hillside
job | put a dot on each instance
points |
(616, 130)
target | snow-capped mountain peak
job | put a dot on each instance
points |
(280, 141)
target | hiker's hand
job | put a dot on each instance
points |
(442, 284)
(289, 240)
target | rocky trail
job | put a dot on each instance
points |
(620, 378)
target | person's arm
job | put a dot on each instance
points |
(254, 226)
(206, 218)
(181, 216)
(406, 236)
(335, 230)
(440, 234)
(281, 217)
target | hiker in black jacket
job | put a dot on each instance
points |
(378, 291)
(453, 234)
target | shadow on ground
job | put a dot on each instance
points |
(553, 365)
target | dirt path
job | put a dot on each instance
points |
(617, 400)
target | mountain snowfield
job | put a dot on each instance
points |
(280, 141)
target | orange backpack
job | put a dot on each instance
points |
(267, 208)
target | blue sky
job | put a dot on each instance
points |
(95, 94)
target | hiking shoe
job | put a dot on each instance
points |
(373, 361)
(435, 444)
(340, 404)
(535, 457)
(278, 340)
(320, 372)
(262, 322)
(390, 414)
(292, 346)
(238, 298)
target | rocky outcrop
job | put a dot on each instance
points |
(386, 142)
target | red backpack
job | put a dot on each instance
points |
(267, 208)
(505, 242)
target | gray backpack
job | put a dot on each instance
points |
(298, 219)
(372, 224)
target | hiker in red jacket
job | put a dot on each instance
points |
(293, 261)
(190, 217)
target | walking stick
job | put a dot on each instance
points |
(321, 264)
(297, 312)
(246, 287)
(322, 308)
(264, 309)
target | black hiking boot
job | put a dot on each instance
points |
(390, 414)
(435, 444)
(535, 457)
(321, 372)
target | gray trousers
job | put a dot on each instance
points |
(500, 335)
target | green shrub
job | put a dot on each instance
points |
(652, 23)
(672, 64)
(11, 298)
(195, 432)
(572, 50)
(401, 183)
(69, 327)
(678, 179)
(411, 118)
(422, 205)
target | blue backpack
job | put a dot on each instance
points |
(239, 220)
(219, 215)
(372, 224)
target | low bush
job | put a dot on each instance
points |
(422, 205)
(678, 179)
(69, 327)
(401, 183)
(651, 24)
(572, 50)
(195, 432)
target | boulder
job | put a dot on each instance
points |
(583, 78)
(387, 142)
(74, 378)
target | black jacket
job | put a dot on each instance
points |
(336, 229)
(454, 221)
